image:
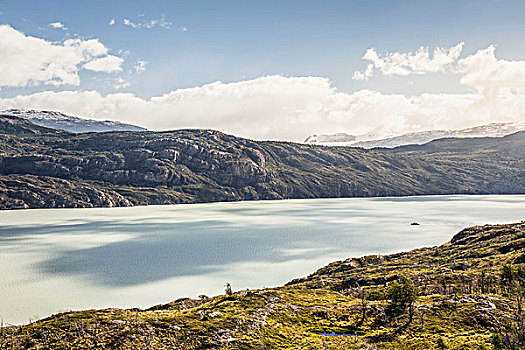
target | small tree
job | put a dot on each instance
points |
(507, 276)
(512, 330)
(228, 289)
(441, 344)
(363, 306)
(402, 295)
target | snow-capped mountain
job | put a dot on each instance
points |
(61, 121)
(334, 138)
(418, 138)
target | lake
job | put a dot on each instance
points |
(53, 260)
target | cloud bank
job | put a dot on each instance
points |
(30, 61)
(271, 107)
(284, 108)
(490, 76)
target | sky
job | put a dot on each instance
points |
(280, 70)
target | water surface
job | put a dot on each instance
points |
(52, 260)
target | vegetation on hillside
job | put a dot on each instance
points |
(466, 294)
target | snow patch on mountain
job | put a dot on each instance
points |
(334, 138)
(61, 121)
(415, 138)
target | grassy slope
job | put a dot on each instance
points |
(461, 304)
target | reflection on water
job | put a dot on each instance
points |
(55, 259)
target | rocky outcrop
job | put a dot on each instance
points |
(25, 191)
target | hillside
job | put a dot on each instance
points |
(465, 294)
(43, 168)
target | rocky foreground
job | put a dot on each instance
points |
(466, 294)
(47, 168)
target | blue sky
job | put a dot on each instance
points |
(236, 41)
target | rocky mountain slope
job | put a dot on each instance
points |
(465, 294)
(42, 168)
(415, 138)
(61, 121)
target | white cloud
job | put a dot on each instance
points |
(484, 73)
(128, 22)
(120, 83)
(148, 24)
(282, 108)
(271, 107)
(112, 22)
(124, 53)
(364, 75)
(58, 25)
(105, 64)
(418, 62)
(140, 66)
(29, 61)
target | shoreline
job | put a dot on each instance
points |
(270, 201)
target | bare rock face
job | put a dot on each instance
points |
(25, 191)
(42, 168)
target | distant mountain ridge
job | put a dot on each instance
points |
(46, 168)
(340, 137)
(61, 121)
(415, 138)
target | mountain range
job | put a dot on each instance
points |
(61, 121)
(370, 140)
(42, 167)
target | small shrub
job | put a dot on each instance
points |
(375, 295)
(441, 344)
(228, 289)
